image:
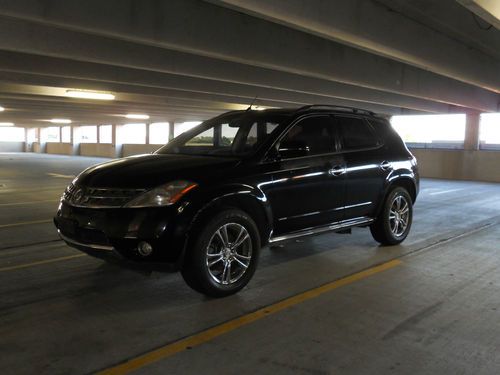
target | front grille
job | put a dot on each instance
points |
(81, 196)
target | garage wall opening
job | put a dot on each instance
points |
(185, 126)
(489, 131)
(132, 134)
(86, 134)
(14, 134)
(50, 134)
(431, 131)
(158, 133)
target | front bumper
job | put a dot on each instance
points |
(110, 255)
(114, 233)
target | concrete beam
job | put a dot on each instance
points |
(488, 10)
(184, 46)
(266, 97)
(448, 18)
(373, 27)
(290, 86)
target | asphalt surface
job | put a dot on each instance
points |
(434, 311)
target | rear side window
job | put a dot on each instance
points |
(356, 133)
(314, 134)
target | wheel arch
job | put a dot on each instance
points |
(247, 199)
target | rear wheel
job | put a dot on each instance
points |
(222, 254)
(394, 221)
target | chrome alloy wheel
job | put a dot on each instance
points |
(399, 215)
(229, 253)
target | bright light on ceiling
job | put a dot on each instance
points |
(6, 124)
(82, 94)
(137, 116)
(2, 109)
(60, 121)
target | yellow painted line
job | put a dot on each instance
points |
(25, 223)
(47, 261)
(211, 333)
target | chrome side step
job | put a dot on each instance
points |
(326, 228)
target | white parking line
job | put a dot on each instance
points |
(445, 191)
(25, 203)
(57, 175)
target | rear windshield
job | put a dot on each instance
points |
(239, 134)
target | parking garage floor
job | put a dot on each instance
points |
(322, 305)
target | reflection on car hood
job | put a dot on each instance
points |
(147, 171)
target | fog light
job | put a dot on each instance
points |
(144, 249)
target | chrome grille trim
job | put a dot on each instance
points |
(81, 196)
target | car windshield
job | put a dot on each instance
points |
(239, 134)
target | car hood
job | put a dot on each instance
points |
(148, 171)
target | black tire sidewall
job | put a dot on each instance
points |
(391, 238)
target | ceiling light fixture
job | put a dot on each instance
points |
(6, 124)
(60, 121)
(2, 109)
(136, 116)
(82, 94)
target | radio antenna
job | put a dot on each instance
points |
(251, 104)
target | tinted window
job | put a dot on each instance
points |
(314, 134)
(237, 134)
(356, 133)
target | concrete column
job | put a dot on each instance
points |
(147, 133)
(471, 142)
(98, 127)
(171, 127)
(42, 143)
(114, 140)
(75, 146)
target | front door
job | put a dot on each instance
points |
(308, 186)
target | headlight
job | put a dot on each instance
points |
(164, 195)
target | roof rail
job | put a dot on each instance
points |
(336, 107)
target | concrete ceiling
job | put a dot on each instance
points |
(192, 59)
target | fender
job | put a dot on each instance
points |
(199, 203)
(403, 175)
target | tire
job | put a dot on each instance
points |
(213, 264)
(394, 221)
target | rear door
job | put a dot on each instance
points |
(366, 165)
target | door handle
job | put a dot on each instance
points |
(337, 171)
(385, 166)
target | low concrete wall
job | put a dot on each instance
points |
(129, 150)
(459, 164)
(98, 149)
(11, 146)
(59, 148)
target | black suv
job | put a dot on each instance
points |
(208, 201)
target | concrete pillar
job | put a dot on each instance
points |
(171, 127)
(98, 133)
(75, 145)
(471, 142)
(147, 133)
(42, 143)
(114, 140)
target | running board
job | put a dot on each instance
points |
(327, 228)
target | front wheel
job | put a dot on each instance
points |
(222, 254)
(394, 221)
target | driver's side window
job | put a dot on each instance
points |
(311, 136)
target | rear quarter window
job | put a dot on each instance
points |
(356, 134)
